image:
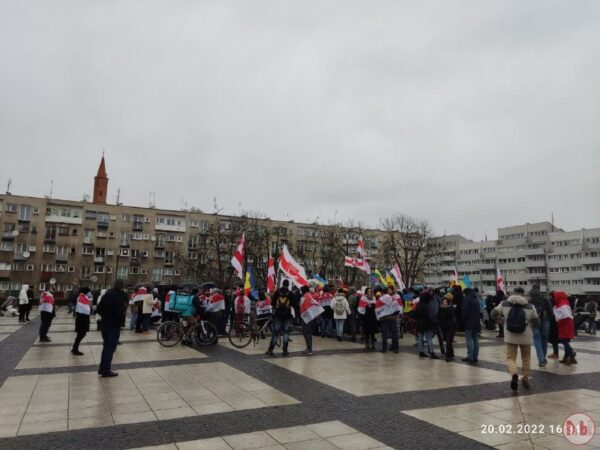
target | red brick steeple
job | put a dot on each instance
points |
(101, 184)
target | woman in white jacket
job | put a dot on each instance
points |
(23, 302)
(341, 309)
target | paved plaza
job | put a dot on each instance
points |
(221, 397)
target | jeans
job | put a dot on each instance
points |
(389, 328)
(540, 340)
(110, 338)
(45, 324)
(592, 326)
(146, 322)
(339, 327)
(326, 326)
(472, 338)
(307, 333)
(280, 326)
(427, 335)
(133, 320)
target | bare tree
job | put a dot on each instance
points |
(407, 242)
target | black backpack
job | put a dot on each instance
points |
(282, 306)
(516, 322)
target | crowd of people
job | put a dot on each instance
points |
(361, 314)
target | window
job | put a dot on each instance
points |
(10, 207)
(157, 274)
(63, 230)
(124, 238)
(46, 268)
(25, 212)
(49, 248)
(90, 215)
(102, 218)
(4, 266)
(123, 272)
(137, 236)
(87, 251)
(159, 253)
(169, 257)
(6, 246)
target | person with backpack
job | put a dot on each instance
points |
(541, 333)
(282, 320)
(518, 316)
(341, 309)
(470, 318)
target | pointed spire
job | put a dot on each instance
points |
(102, 169)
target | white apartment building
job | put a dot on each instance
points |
(538, 253)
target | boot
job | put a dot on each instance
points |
(285, 351)
(269, 351)
(572, 359)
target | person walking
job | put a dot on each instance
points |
(518, 316)
(47, 313)
(23, 302)
(565, 325)
(470, 317)
(341, 309)
(541, 333)
(282, 320)
(83, 309)
(111, 310)
(447, 322)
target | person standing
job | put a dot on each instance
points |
(327, 316)
(47, 313)
(138, 301)
(565, 325)
(23, 302)
(541, 333)
(83, 309)
(470, 318)
(500, 297)
(341, 309)
(389, 322)
(366, 308)
(447, 322)
(353, 304)
(518, 316)
(111, 310)
(422, 315)
(592, 307)
(309, 310)
(30, 296)
(282, 320)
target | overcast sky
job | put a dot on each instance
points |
(474, 115)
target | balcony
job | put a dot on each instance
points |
(8, 235)
(535, 263)
(138, 226)
(98, 259)
(62, 257)
(102, 225)
(19, 256)
(50, 237)
(591, 288)
(590, 274)
(134, 262)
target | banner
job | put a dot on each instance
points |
(294, 271)
(238, 258)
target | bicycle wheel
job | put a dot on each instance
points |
(169, 334)
(240, 335)
(206, 334)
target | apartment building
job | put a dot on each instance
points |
(538, 253)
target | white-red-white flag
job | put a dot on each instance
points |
(499, 281)
(366, 268)
(360, 248)
(270, 275)
(349, 262)
(292, 269)
(309, 308)
(398, 276)
(238, 258)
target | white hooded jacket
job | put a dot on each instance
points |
(23, 299)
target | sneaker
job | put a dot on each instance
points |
(269, 352)
(434, 356)
(514, 382)
(285, 353)
(307, 352)
(448, 359)
(525, 382)
(468, 360)
(45, 339)
(422, 355)
(27, 320)
(542, 364)
(76, 352)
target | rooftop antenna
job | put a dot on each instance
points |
(51, 188)
(216, 206)
(8, 186)
(552, 220)
(118, 193)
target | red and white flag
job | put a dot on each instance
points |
(349, 262)
(499, 281)
(386, 305)
(264, 306)
(326, 299)
(216, 302)
(366, 267)
(398, 276)
(363, 303)
(309, 308)
(238, 258)
(294, 271)
(360, 248)
(270, 275)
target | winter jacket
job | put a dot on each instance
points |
(340, 299)
(148, 302)
(111, 309)
(470, 314)
(434, 307)
(447, 320)
(500, 313)
(422, 314)
(23, 298)
(563, 316)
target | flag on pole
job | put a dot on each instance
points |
(499, 281)
(398, 276)
(366, 267)
(349, 262)
(270, 274)
(389, 280)
(465, 282)
(291, 268)
(238, 258)
(380, 277)
(360, 248)
(454, 277)
(249, 280)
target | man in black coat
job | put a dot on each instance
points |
(470, 318)
(111, 310)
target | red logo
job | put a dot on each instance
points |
(579, 429)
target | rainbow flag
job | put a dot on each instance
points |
(380, 277)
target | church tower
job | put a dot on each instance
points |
(100, 184)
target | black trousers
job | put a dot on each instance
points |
(78, 339)
(45, 323)
(23, 309)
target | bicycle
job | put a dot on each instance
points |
(408, 325)
(247, 330)
(171, 332)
